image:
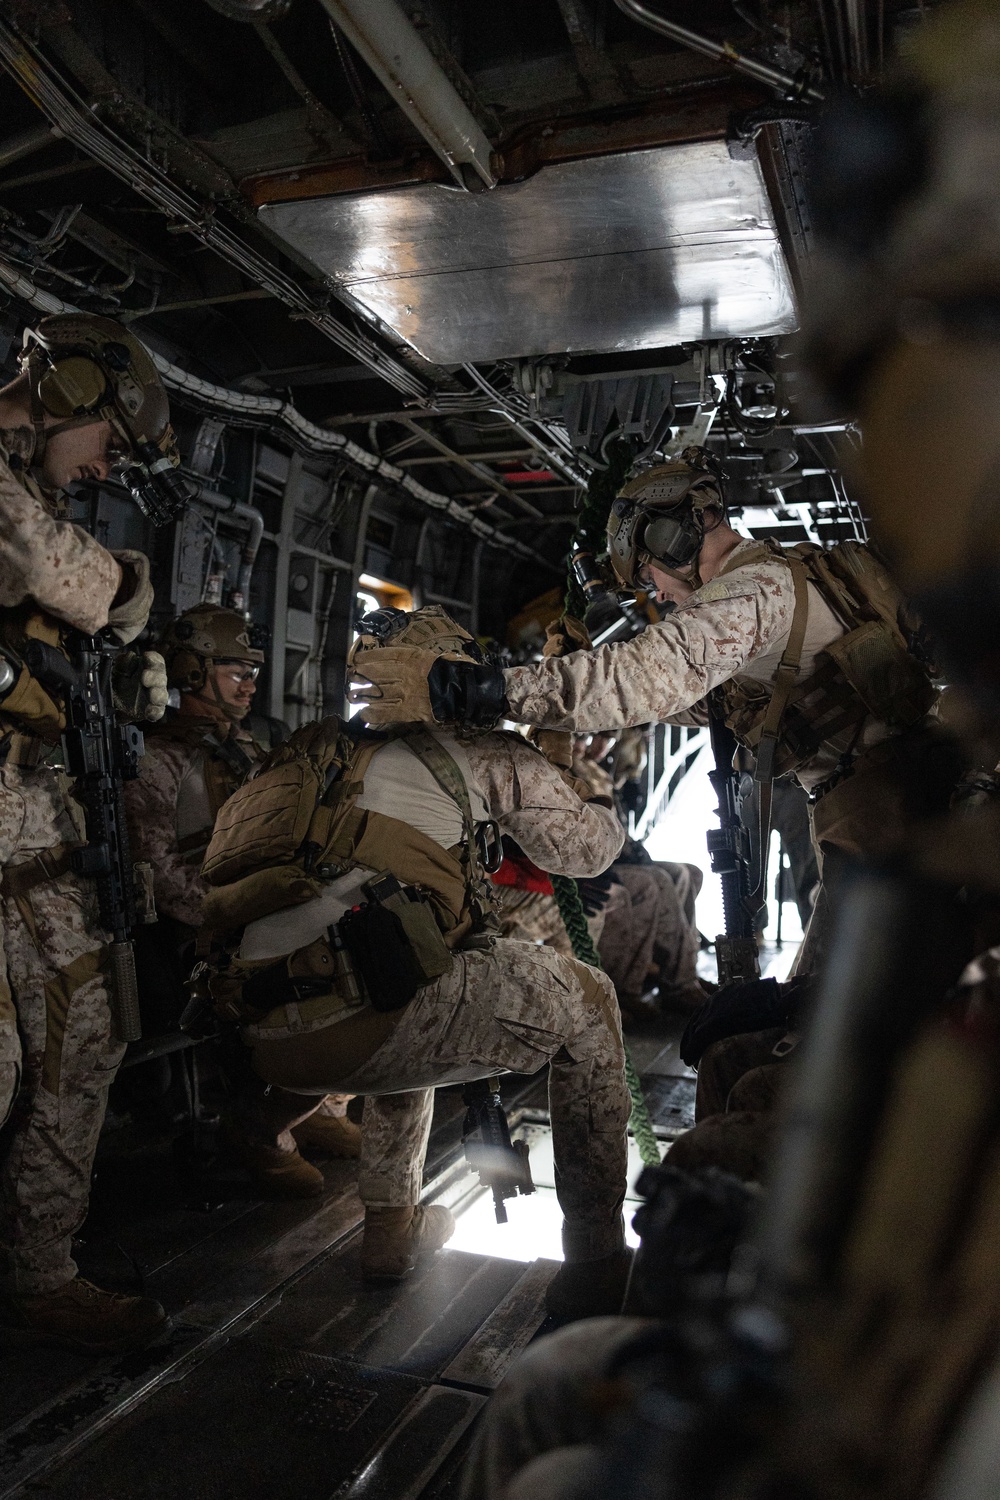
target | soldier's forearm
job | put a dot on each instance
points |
(63, 569)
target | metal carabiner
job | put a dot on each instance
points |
(489, 845)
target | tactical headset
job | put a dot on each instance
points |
(660, 516)
(84, 369)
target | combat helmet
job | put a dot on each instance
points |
(429, 629)
(659, 516)
(82, 369)
(204, 636)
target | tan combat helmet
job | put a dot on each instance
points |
(660, 515)
(429, 629)
(83, 369)
(204, 636)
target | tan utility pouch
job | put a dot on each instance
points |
(314, 980)
(889, 681)
(257, 895)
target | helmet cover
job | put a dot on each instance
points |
(659, 515)
(203, 635)
(427, 629)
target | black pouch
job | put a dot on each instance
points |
(382, 954)
(738, 1008)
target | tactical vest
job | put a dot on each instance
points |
(870, 671)
(295, 827)
(227, 764)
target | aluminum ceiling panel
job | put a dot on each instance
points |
(613, 253)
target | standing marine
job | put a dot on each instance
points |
(88, 402)
(807, 654)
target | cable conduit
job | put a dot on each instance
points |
(269, 411)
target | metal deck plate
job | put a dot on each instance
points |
(619, 252)
(253, 1420)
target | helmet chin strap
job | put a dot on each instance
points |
(229, 711)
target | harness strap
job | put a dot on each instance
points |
(448, 775)
(21, 879)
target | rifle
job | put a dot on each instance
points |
(502, 1164)
(101, 754)
(730, 857)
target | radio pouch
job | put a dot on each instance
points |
(394, 942)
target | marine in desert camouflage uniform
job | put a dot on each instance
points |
(195, 759)
(55, 1021)
(505, 1006)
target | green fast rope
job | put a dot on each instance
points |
(575, 922)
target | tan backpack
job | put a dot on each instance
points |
(295, 826)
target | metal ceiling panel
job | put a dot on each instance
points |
(617, 252)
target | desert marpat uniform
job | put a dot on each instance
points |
(53, 993)
(511, 1006)
(191, 766)
(735, 627)
(732, 634)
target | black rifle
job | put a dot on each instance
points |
(730, 856)
(100, 754)
(502, 1164)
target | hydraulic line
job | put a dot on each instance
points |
(788, 84)
(60, 103)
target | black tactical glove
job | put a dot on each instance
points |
(406, 685)
(595, 892)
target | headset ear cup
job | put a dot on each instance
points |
(72, 387)
(187, 671)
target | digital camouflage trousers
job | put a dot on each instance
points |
(55, 1029)
(512, 1008)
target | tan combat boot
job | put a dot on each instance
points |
(81, 1316)
(589, 1288)
(274, 1173)
(333, 1135)
(395, 1237)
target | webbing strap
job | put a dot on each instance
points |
(448, 775)
(767, 746)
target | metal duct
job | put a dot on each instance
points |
(724, 52)
(394, 50)
(255, 532)
(268, 411)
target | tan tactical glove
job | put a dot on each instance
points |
(131, 605)
(407, 685)
(556, 745)
(391, 686)
(565, 635)
(139, 686)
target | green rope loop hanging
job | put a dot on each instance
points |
(575, 921)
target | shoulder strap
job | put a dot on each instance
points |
(448, 775)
